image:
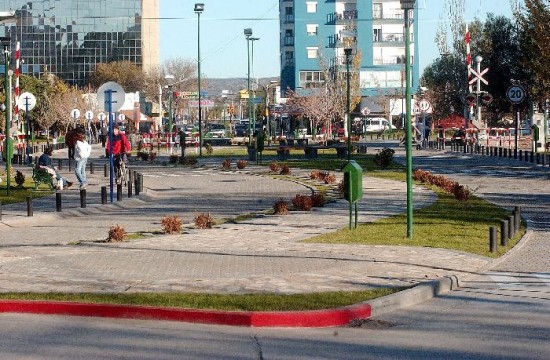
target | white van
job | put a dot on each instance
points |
(377, 125)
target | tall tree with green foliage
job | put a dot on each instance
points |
(534, 20)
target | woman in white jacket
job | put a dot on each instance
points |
(81, 154)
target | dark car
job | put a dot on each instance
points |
(241, 130)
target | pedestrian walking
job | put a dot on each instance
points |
(81, 155)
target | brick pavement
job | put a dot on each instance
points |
(263, 253)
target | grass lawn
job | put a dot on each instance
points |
(446, 224)
(19, 194)
(245, 302)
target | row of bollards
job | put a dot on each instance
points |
(135, 182)
(508, 229)
(533, 157)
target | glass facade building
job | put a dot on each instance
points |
(69, 37)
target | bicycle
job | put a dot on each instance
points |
(120, 170)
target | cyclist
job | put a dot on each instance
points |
(121, 146)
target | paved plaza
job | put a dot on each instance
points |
(63, 251)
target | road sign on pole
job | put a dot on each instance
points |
(424, 105)
(516, 94)
(365, 111)
(479, 76)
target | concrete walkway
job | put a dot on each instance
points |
(260, 254)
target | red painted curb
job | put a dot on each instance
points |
(316, 318)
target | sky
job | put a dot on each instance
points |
(223, 44)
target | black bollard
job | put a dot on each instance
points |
(29, 206)
(82, 198)
(91, 168)
(0, 210)
(58, 202)
(511, 227)
(105, 170)
(70, 165)
(130, 182)
(60, 164)
(503, 232)
(118, 192)
(517, 218)
(492, 239)
(140, 182)
(104, 195)
(136, 184)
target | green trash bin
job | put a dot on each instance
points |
(353, 187)
(353, 181)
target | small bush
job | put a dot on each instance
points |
(274, 167)
(341, 189)
(173, 159)
(241, 164)
(302, 202)
(204, 221)
(171, 224)
(317, 200)
(19, 178)
(330, 179)
(116, 234)
(285, 169)
(281, 207)
(187, 161)
(384, 158)
(143, 155)
(226, 164)
(460, 192)
(315, 175)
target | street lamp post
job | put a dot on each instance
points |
(347, 51)
(248, 35)
(170, 140)
(408, 5)
(254, 86)
(199, 8)
(268, 115)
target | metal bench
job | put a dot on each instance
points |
(311, 151)
(41, 177)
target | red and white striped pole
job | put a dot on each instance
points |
(469, 67)
(16, 107)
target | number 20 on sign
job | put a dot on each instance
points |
(516, 94)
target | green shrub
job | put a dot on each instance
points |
(384, 158)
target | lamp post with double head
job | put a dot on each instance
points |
(248, 35)
(407, 6)
(199, 8)
(255, 85)
(7, 16)
(347, 52)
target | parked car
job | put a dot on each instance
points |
(215, 130)
(377, 125)
(241, 130)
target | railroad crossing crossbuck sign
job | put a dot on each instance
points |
(479, 76)
(516, 94)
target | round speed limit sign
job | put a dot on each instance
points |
(516, 94)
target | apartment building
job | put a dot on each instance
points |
(322, 29)
(69, 37)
